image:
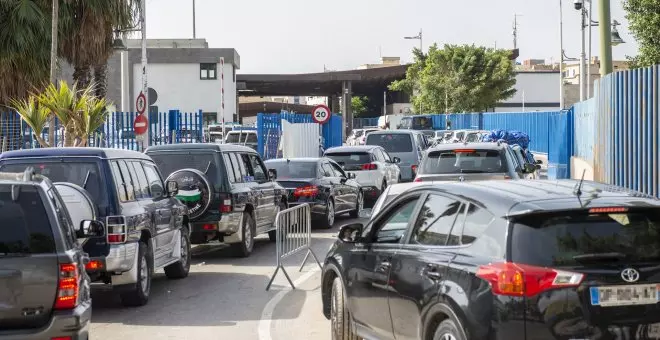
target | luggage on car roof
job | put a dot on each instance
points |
(510, 137)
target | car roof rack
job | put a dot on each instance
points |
(26, 176)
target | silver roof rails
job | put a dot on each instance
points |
(26, 176)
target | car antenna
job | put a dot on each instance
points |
(578, 187)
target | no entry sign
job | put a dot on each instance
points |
(140, 124)
(321, 114)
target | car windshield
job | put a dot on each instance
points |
(169, 162)
(25, 228)
(84, 174)
(463, 161)
(350, 160)
(293, 169)
(561, 240)
(391, 142)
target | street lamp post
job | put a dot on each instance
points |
(421, 49)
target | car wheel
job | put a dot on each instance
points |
(179, 270)
(329, 219)
(384, 186)
(447, 330)
(359, 205)
(138, 294)
(340, 319)
(244, 248)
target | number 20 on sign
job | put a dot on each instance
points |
(321, 114)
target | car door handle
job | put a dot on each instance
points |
(384, 266)
(432, 272)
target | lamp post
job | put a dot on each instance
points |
(421, 49)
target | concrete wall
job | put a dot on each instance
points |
(580, 166)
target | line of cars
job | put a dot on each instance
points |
(477, 248)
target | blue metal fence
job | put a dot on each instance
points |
(625, 113)
(269, 131)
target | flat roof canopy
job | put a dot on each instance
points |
(364, 82)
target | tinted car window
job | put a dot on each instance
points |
(391, 142)
(230, 169)
(63, 217)
(170, 162)
(293, 169)
(25, 227)
(260, 174)
(141, 183)
(476, 221)
(237, 165)
(154, 180)
(555, 241)
(435, 221)
(393, 227)
(75, 172)
(233, 137)
(464, 161)
(350, 160)
(251, 138)
(119, 182)
(129, 180)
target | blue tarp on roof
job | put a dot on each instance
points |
(510, 137)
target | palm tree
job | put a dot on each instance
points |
(24, 42)
(87, 32)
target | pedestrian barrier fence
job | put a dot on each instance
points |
(294, 235)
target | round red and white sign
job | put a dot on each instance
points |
(321, 114)
(140, 124)
(141, 103)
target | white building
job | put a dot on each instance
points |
(536, 91)
(185, 74)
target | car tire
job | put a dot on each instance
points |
(245, 247)
(359, 205)
(138, 294)
(180, 269)
(447, 330)
(383, 186)
(341, 327)
(329, 216)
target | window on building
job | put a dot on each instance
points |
(208, 71)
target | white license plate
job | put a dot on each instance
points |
(630, 295)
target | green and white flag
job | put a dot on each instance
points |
(189, 195)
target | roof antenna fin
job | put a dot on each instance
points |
(578, 188)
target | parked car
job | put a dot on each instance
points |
(45, 292)
(470, 162)
(406, 145)
(227, 190)
(146, 227)
(243, 137)
(322, 184)
(473, 136)
(529, 169)
(499, 260)
(438, 136)
(373, 167)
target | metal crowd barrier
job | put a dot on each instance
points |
(294, 235)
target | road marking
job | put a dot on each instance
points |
(267, 314)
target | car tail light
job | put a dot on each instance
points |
(607, 210)
(464, 151)
(94, 265)
(306, 191)
(507, 177)
(67, 287)
(61, 338)
(417, 179)
(414, 169)
(226, 205)
(370, 166)
(209, 227)
(507, 278)
(117, 229)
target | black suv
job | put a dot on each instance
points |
(229, 192)
(146, 227)
(500, 260)
(44, 291)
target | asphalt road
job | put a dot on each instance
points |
(225, 298)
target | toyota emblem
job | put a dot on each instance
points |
(630, 275)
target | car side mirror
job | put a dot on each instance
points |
(90, 228)
(396, 160)
(538, 166)
(350, 175)
(350, 233)
(538, 161)
(272, 174)
(172, 188)
(530, 168)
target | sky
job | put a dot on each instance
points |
(303, 36)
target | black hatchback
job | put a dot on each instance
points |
(501, 260)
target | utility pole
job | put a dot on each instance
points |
(145, 88)
(561, 56)
(53, 64)
(194, 22)
(421, 49)
(605, 31)
(583, 67)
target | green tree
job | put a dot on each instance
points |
(359, 105)
(458, 78)
(644, 19)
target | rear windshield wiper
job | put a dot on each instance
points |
(463, 171)
(594, 257)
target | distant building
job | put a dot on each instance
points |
(384, 62)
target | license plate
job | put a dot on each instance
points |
(630, 295)
(654, 331)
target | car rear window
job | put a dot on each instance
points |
(350, 160)
(632, 237)
(170, 162)
(233, 137)
(84, 174)
(293, 170)
(464, 161)
(391, 142)
(25, 227)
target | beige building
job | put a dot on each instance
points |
(384, 62)
(572, 71)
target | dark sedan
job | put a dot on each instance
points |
(321, 183)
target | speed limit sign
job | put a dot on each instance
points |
(321, 114)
